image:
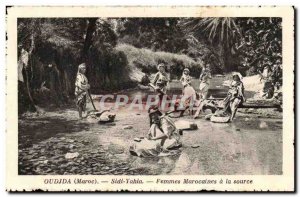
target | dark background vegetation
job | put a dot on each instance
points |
(119, 51)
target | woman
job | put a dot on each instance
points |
(162, 137)
(81, 88)
(266, 78)
(188, 92)
(185, 78)
(204, 81)
(161, 79)
(204, 78)
(160, 83)
(235, 97)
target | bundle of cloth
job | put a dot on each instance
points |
(105, 116)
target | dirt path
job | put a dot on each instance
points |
(250, 145)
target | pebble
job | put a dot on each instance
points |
(73, 169)
(71, 155)
(106, 168)
(127, 127)
(53, 156)
(195, 146)
(137, 139)
(263, 125)
(85, 142)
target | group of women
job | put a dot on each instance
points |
(234, 98)
(163, 136)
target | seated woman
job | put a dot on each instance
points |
(235, 97)
(161, 139)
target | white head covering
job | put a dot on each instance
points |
(160, 65)
(238, 74)
(81, 66)
(186, 69)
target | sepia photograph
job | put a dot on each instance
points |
(151, 96)
(222, 70)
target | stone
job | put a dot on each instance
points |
(71, 155)
(195, 146)
(263, 125)
(85, 142)
(127, 127)
(42, 158)
(185, 125)
(35, 146)
(73, 169)
(137, 139)
(106, 168)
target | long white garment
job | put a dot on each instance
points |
(80, 84)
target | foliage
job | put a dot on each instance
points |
(222, 30)
(240, 42)
(157, 34)
(145, 61)
(263, 42)
(119, 51)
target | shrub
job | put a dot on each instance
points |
(142, 61)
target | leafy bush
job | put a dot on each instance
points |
(142, 61)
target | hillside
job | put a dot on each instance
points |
(141, 61)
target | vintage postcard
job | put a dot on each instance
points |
(150, 98)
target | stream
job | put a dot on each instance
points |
(250, 145)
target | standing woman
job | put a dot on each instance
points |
(188, 92)
(266, 78)
(185, 78)
(204, 81)
(160, 81)
(81, 88)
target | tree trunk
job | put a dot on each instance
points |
(88, 38)
(27, 73)
(28, 89)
